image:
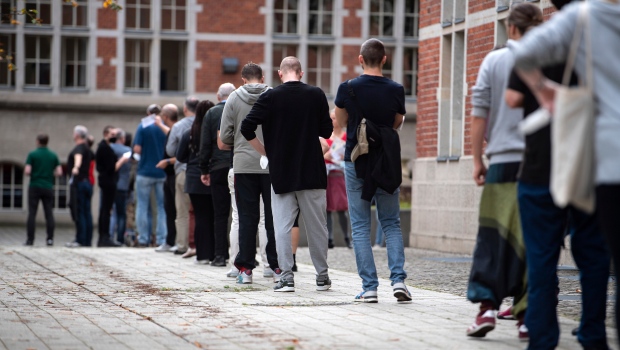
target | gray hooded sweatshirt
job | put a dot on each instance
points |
(246, 160)
(504, 142)
(549, 44)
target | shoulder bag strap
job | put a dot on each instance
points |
(354, 98)
(582, 28)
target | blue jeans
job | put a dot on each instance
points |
(84, 215)
(379, 238)
(118, 221)
(543, 226)
(388, 207)
(144, 186)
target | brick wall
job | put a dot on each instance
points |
(240, 17)
(480, 41)
(352, 25)
(430, 12)
(210, 76)
(106, 73)
(349, 59)
(480, 5)
(106, 18)
(428, 82)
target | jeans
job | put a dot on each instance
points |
(248, 190)
(221, 206)
(171, 210)
(144, 186)
(46, 196)
(379, 236)
(84, 216)
(543, 227)
(204, 233)
(107, 196)
(388, 207)
(119, 216)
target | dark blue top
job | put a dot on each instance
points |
(379, 100)
(153, 141)
(125, 170)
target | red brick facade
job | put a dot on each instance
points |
(480, 5)
(106, 18)
(106, 73)
(428, 82)
(430, 12)
(352, 25)
(209, 77)
(242, 17)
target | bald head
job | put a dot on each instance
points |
(290, 64)
(224, 91)
(170, 113)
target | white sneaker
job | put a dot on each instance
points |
(267, 272)
(401, 293)
(233, 272)
(173, 249)
(163, 248)
(276, 275)
(245, 277)
(201, 262)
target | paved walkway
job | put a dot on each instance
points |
(115, 298)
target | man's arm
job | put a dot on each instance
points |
(226, 134)
(137, 149)
(258, 146)
(399, 119)
(77, 163)
(514, 99)
(161, 125)
(28, 169)
(173, 139)
(342, 117)
(137, 142)
(221, 145)
(58, 171)
(327, 126)
(205, 144)
(478, 127)
(257, 116)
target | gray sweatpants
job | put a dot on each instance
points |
(313, 205)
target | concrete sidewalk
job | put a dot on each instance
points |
(113, 298)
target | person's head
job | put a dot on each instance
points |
(332, 114)
(42, 140)
(90, 140)
(290, 69)
(120, 136)
(372, 54)
(224, 91)
(153, 109)
(252, 73)
(523, 17)
(128, 139)
(80, 133)
(170, 114)
(201, 110)
(107, 131)
(189, 108)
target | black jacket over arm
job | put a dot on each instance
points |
(293, 116)
(210, 156)
(105, 161)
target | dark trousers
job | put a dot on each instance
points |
(107, 195)
(204, 237)
(46, 196)
(221, 206)
(81, 195)
(248, 188)
(543, 232)
(120, 203)
(171, 209)
(608, 207)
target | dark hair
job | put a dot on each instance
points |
(107, 129)
(252, 71)
(373, 52)
(560, 3)
(128, 139)
(191, 102)
(290, 63)
(90, 140)
(194, 134)
(525, 16)
(43, 139)
(153, 109)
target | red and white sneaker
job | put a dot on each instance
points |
(506, 314)
(485, 322)
(524, 335)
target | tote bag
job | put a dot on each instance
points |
(572, 131)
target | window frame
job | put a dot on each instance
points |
(413, 71)
(138, 6)
(319, 70)
(82, 6)
(382, 14)
(276, 65)
(320, 14)
(174, 8)
(285, 11)
(4, 64)
(38, 62)
(12, 5)
(12, 187)
(38, 4)
(137, 66)
(415, 17)
(76, 63)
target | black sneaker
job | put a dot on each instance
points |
(323, 283)
(108, 243)
(28, 243)
(330, 244)
(219, 261)
(49, 242)
(284, 286)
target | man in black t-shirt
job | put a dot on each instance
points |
(382, 102)
(78, 164)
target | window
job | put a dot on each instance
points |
(453, 12)
(43, 12)
(7, 8)
(279, 53)
(75, 61)
(138, 14)
(320, 67)
(452, 96)
(412, 18)
(285, 16)
(381, 18)
(61, 191)
(501, 32)
(173, 57)
(410, 71)
(137, 64)
(75, 16)
(320, 17)
(387, 68)
(12, 185)
(173, 13)
(38, 60)
(7, 45)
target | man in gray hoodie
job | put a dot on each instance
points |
(250, 179)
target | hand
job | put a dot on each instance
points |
(75, 171)
(480, 173)
(206, 179)
(162, 164)
(158, 121)
(546, 95)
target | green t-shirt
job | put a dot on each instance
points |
(43, 162)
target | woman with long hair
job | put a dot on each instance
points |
(199, 192)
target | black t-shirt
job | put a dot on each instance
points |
(379, 100)
(87, 157)
(536, 165)
(169, 169)
(105, 160)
